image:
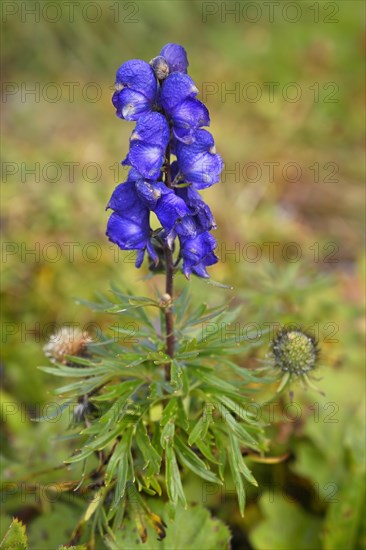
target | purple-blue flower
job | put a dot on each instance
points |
(161, 98)
(199, 210)
(136, 89)
(184, 111)
(148, 144)
(176, 57)
(129, 226)
(198, 253)
(198, 162)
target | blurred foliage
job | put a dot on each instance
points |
(317, 500)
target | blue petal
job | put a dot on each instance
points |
(175, 89)
(149, 193)
(176, 57)
(130, 105)
(128, 234)
(187, 118)
(146, 159)
(125, 201)
(152, 128)
(198, 253)
(200, 211)
(139, 76)
(199, 162)
(170, 209)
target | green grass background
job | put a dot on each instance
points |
(321, 217)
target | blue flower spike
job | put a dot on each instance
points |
(162, 99)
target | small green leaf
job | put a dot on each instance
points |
(239, 461)
(176, 372)
(167, 434)
(149, 453)
(169, 411)
(238, 482)
(190, 460)
(172, 478)
(15, 538)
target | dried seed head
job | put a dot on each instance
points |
(295, 352)
(67, 341)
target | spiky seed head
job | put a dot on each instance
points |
(295, 352)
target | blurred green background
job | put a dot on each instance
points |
(289, 208)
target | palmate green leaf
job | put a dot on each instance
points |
(190, 460)
(286, 526)
(172, 478)
(149, 453)
(15, 537)
(191, 529)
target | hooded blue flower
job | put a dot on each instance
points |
(148, 144)
(199, 210)
(136, 89)
(138, 93)
(198, 162)
(198, 253)
(176, 57)
(186, 113)
(170, 209)
(129, 226)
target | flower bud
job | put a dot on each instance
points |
(165, 300)
(160, 67)
(295, 352)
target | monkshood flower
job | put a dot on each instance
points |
(148, 144)
(161, 98)
(199, 163)
(138, 92)
(198, 253)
